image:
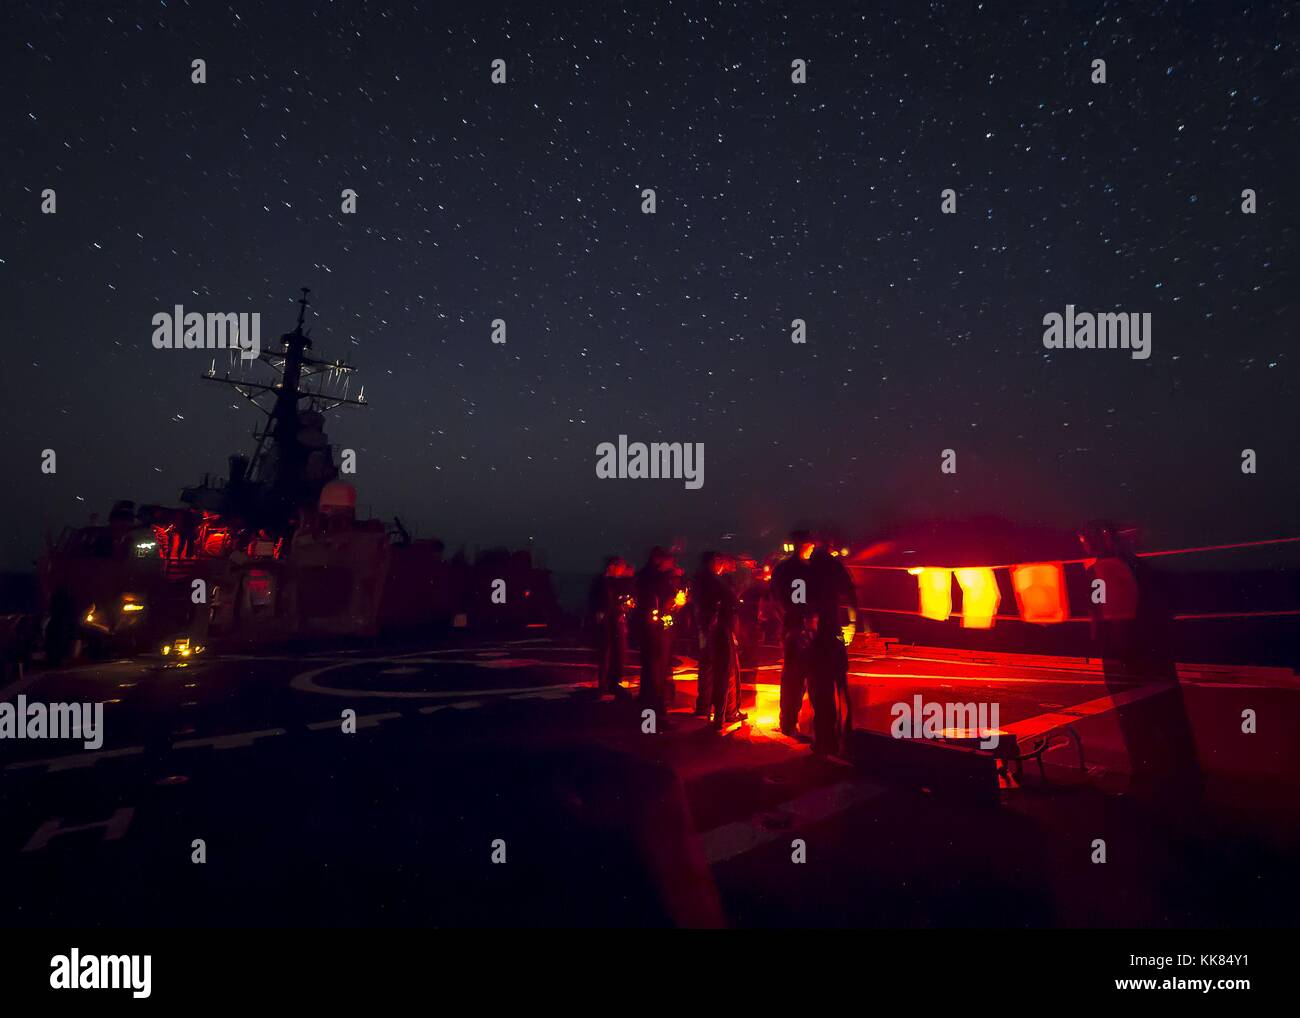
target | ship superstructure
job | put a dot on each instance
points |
(274, 551)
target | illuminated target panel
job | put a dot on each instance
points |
(1040, 592)
(979, 597)
(935, 586)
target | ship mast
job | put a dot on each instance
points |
(280, 458)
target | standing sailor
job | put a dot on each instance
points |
(724, 651)
(717, 610)
(790, 583)
(704, 608)
(833, 601)
(610, 601)
(659, 597)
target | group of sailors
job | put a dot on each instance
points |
(808, 595)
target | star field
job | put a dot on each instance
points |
(776, 201)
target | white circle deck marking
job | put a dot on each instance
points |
(306, 681)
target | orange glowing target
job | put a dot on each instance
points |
(979, 597)
(935, 586)
(1040, 592)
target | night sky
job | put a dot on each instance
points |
(775, 201)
